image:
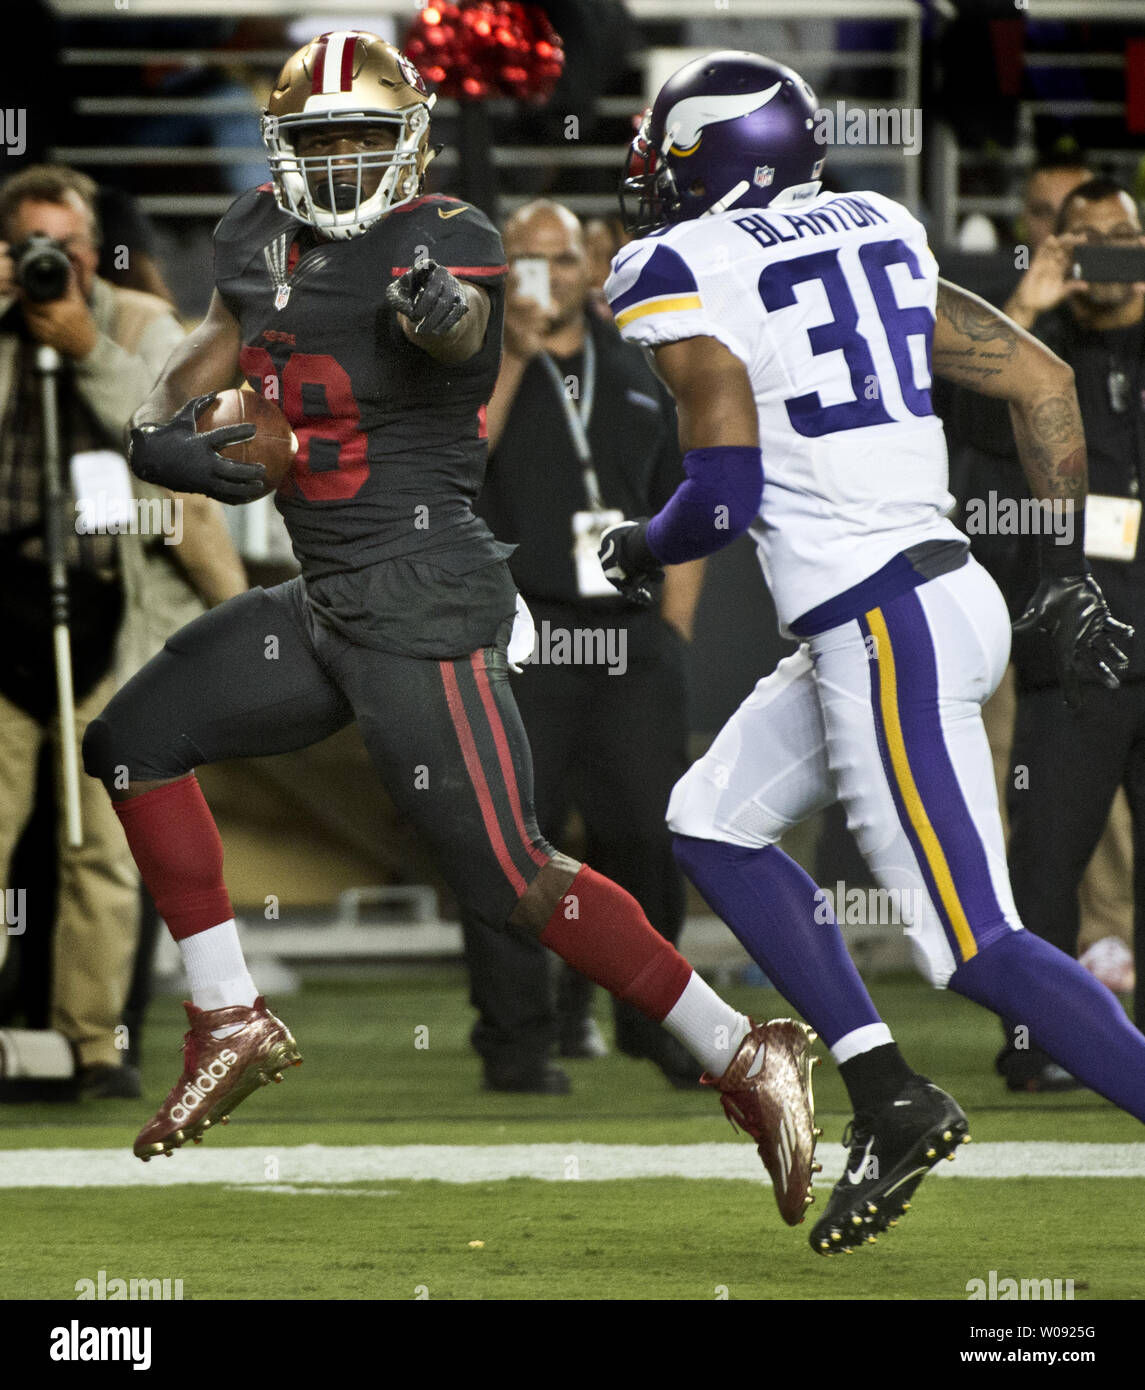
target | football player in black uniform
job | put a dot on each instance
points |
(372, 314)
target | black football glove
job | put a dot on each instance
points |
(174, 456)
(1071, 610)
(627, 562)
(430, 297)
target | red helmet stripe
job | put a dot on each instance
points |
(319, 66)
(349, 45)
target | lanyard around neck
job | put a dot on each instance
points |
(578, 413)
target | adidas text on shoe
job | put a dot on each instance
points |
(776, 1107)
(218, 1073)
(892, 1148)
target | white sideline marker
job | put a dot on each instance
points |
(460, 1163)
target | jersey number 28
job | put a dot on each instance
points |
(317, 397)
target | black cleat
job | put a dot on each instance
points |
(539, 1079)
(892, 1150)
(1033, 1071)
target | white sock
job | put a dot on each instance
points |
(217, 971)
(710, 1029)
(860, 1040)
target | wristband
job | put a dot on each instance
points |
(1059, 557)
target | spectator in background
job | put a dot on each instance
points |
(1052, 179)
(127, 255)
(128, 591)
(980, 436)
(603, 238)
(578, 424)
(1067, 764)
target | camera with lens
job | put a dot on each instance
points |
(41, 268)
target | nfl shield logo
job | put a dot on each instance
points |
(281, 296)
(764, 175)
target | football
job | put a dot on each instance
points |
(274, 446)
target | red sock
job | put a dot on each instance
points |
(175, 843)
(602, 931)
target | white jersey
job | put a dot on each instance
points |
(830, 306)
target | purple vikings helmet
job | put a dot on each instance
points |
(730, 121)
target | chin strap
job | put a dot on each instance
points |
(732, 196)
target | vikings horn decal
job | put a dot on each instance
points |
(687, 118)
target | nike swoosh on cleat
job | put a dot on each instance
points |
(914, 1173)
(441, 212)
(856, 1178)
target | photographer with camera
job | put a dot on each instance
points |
(1068, 759)
(126, 590)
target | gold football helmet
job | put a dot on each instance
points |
(347, 78)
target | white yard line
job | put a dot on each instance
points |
(460, 1163)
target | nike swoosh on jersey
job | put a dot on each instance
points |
(688, 117)
(441, 212)
(857, 1177)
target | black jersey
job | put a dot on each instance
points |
(391, 442)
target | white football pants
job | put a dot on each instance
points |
(882, 713)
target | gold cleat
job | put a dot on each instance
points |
(218, 1073)
(775, 1106)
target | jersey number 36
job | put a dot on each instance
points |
(807, 413)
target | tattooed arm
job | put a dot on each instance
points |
(978, 347)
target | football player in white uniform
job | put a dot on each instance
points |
(798, 331)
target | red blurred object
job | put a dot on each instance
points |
(491, 48)
(1135, 86)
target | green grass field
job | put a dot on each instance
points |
(367, 1082)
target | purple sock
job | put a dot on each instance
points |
(1070, 1015)
(787, 927)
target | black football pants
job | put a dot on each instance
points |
(610, 747)
(1066, 766)
(260, 676)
